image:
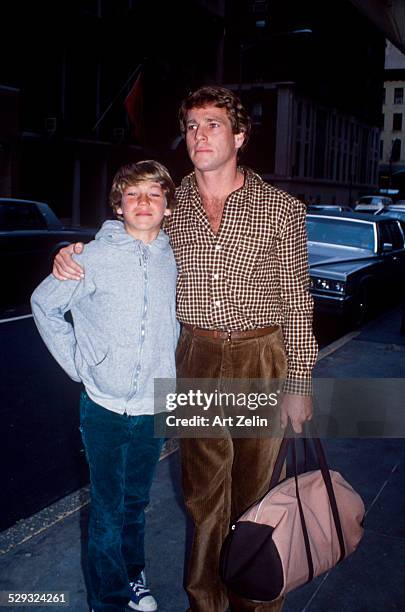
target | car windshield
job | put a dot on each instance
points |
(343, 232)
(373, 200)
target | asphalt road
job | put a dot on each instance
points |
(40, 451)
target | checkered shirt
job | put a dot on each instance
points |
(253, 273)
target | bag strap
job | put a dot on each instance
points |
(331, 494)
(286, 444)
(302, 517)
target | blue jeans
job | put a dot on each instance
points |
(122, 455)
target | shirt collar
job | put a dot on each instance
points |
(238, 197)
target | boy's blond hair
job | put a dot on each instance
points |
(131, 174)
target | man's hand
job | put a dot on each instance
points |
(297, 408)
(64, 267)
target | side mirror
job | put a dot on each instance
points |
(387, 246)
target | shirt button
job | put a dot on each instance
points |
(218, 247)
(216, 276)
(217, 303)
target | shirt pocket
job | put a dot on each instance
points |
(251, 256)
(186, 245)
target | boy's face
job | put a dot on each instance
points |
(143, 207)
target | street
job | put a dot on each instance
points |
(41, 450)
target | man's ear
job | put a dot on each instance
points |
(239, 139)
(119, 211)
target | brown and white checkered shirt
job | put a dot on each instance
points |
(253, 273)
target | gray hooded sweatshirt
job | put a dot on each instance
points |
(124, 312)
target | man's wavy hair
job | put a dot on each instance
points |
(222, 98)
(132, 174)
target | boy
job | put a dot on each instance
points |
(124, 335)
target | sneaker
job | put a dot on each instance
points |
(141, 598)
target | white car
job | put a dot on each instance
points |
(372, 203)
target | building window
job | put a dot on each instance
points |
(297, 159)
(339, 130)
(299, 112)
(332, 165)
(257, 113)
(333, 124)
(398, 95)
(397, 122)
(396, 150)
(381, 149)
(306, 159)
(308, 117)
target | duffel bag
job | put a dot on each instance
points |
(301, 528)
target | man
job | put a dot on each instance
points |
(243, 300)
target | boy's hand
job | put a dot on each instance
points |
(296, 407)
(64, 267)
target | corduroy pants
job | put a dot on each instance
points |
(222, 477)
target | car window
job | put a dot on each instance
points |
(385, 234)
(396, 237)
(20, 216)
(402, 224)
(379, 200)
(369, 200)
(341, 232)
(370, 208)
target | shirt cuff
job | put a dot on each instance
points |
(298, 386)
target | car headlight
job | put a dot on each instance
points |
(318, 283)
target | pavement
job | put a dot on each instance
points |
(46, 551)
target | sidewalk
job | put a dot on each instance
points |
(45, 553)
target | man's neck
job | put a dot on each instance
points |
(218, 184)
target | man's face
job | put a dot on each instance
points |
(143, 208)
(211, 144)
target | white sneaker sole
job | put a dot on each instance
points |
(134, 606)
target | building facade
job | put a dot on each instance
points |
(392, 140)
(64, 129)
(322, 98)
(315, 102)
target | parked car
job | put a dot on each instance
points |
(393, 212)
(328, 207)
(355, 260)
(394, 208)
(30, 236)
(397, 207)
(389, 213)
(372, 203)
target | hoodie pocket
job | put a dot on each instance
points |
(111, 376)
(88, 358)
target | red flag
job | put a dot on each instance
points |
(134, 106)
